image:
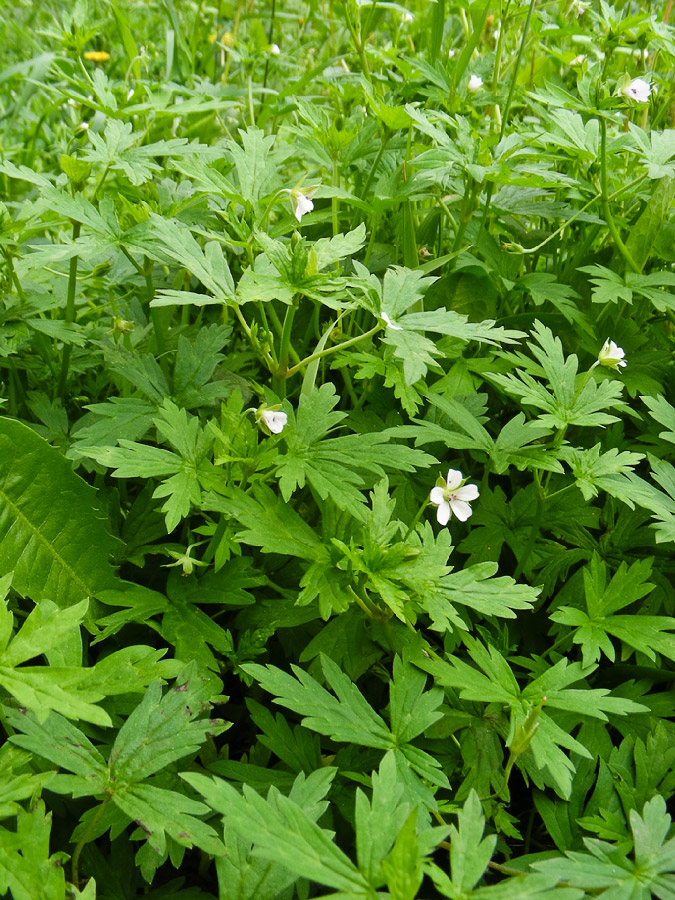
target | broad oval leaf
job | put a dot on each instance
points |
(51, 534)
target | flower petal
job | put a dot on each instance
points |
(437, 496)
(274, 420)
(454, 479)
(468, 492)
(461, 509)
(443, 513)
(387, 321)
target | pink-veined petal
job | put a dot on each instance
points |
(454, 479)
(461, 509)
(437, 496)
(443, 513)
(468, 492)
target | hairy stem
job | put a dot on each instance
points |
(343, 346)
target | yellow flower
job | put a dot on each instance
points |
(228, 39)
(97, 55)
(212, 37)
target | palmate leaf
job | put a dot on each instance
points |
(51, 534)
(17, 780)
(126, 418)
(518, 443)
(348, 717)
(562, 400)
(282, 832)
(379, 820)
(403, 288)
(27, 870)
(161, 730)
(161, 812)
(270, 524)
(333, 466)
(492, 680)
(243, 873)
(664, 413)
(596, 471)
(180, 469)
(476, 587)
(164, 728)
(164, 238)
(255, 163)
(606, 871)
(115, 149)
(592, 629)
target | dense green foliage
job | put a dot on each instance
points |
(337, 477)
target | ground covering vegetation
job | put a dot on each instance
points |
(337, 485)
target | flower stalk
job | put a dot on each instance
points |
(609, 218)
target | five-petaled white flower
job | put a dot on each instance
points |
(579, 7)
(275, 50)
(475, 84)
(300, 204)
(453, 498)
(451, 53)
(387, 321)
(578, 60)
(611, 356)
(407, 18)
(638, 89)
(274, 420)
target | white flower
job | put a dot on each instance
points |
(475, 84)
(274, 420)
(274, 50)
(407, 18)
(638, 89)
(579, 7)
(300, 204)
(611, 356)
(578, 60)
(387, 321)
(451, 53)
(453, 498)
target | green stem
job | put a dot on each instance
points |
(12, 273)
(516, 69)
(414, 522)
(99, 183)
(496, 113)
(263, 319)
(360, 49)
(371, 174)
(282, 371)
(270, 35)
(507, 110)
(334, 202)
(343, 346)
(75, 873)
(611, 224)
(467, 210)
(69, 317)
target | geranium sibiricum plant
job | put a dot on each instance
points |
(266, 272)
